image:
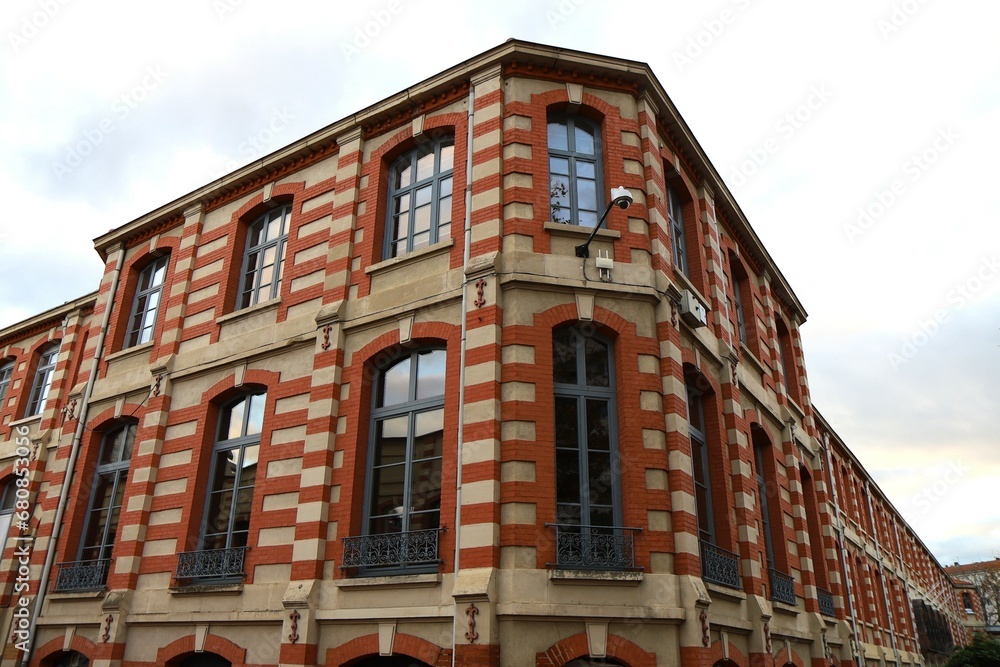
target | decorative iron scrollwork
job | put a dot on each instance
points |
(720, 566)
(782, 587)
(212, 564)
(595, 547)
(825, 599)
(405, 549)
(83, 575)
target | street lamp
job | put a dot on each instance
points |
(621, 197)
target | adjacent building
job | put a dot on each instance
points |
(492, 372)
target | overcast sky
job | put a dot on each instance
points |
(860, 137)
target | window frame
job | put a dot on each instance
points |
(241, 443)
(410, 408)
(48, 359)
(409, 159)
(699, 450)
(137, 327)
(582, 392)
(120, 469)
(570, 121)
(678, 239)
(6, 376)
(247, 297)
(8, 495)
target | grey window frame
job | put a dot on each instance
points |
(250, 292)
(675, 214)
(48, 358)
(241, 443)
(570, 121)
(582, 392)
(139, 331)
(699, 448)
(6, 373)
(410, 409)
(391, 246)
(120, 469)
(765, 516)
(8, 496)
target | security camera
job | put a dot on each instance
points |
(621, 196)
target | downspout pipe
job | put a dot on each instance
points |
(466, 256)
(845, 566)
(57, 523)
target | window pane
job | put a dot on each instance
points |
(404, 175)
(559, 165)
(274, 225)
(425, 166)
(596, 354)
(586, 194)
(559, 191)
(232, 421)
(444, 217)
(567, 476)
(566, 423)
(402, 226)
(430, 374)
(244, 503)
(225, 470)
(602, 516)
(254, 234)
(599, 478)
(249, 463)
(586, 169)
(425, 485)
(422, 220)
(584, 138)
(256, 421)
(390, 441)
(597, 425)
(421, 240)
(586, 218)
(219, 511)
(429, 435)
(387, 498)
(423, 196)
(444, 232)
(557, 136)
(425, 520)
(446, 185)
(564, 357)
(396, 384)
(568, 514)
(447, 157)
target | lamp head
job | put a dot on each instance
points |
(621, 196)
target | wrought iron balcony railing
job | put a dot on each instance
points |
(720, 566)
(82, 575)
(782, 587)
(212, 565)
(825, 602)
(595, 547)
(404, 550)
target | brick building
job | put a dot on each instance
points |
(386, 398)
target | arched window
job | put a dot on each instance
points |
(148, 292)
(403, 491)
(782, 585)
(8, 495)
(675, 213)
(43, 380)
(264, 257)
(589, 531)
(232, 476)
(203, 660)
(420, 197)
(234, 473)
(101, 524)
(576, 196)
(69, 659)
(6, 371)
(741, 294)
(699, 462)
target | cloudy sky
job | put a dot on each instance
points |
(860, 138)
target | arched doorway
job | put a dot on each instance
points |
(593, 662)
(202, 660)
(390, 661)
(68, 659)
